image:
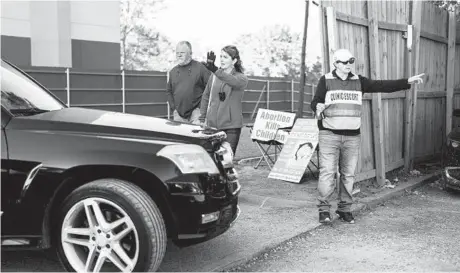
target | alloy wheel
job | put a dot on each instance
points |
(98, 235)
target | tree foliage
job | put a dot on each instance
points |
(275, 51)
(142, 46)
(449, 6)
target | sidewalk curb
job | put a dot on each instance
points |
(365, 204)
(271, 201)
(373, 202)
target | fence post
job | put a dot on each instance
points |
(377, 115)
(411, 94)
(450, 71)
(123, 92)
(417, 23)
(268, 94)
(168, 110)
(331, 26)
(67, 74)
(292, 95)
(312, 96)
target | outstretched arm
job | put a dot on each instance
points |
(388, 86)
(237, 81)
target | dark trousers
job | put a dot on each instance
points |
(233, 137)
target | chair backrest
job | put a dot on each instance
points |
(267, 124)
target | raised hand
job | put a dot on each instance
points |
(210, 57)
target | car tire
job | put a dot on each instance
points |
(140, 250)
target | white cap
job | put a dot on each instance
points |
(342, 55)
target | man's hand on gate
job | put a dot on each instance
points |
(416, 79)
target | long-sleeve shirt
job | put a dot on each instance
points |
(367, 86)
(185, 87)
(226, 114)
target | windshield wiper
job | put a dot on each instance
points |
(28, 111)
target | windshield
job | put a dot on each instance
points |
(20, 94)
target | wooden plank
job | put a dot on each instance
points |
(331, 33)
(432, 94)
(450, 72)
(392, 26)
(395, 165)
(365, 175)
(377, 115)
(427, 157)
(351, 19)
(324, 42)
(434, 37)
(417, 23)
(410, 101)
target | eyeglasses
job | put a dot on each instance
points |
(222, 96)
(350, 61)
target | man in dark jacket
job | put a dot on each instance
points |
(337, 105)
(186, 84)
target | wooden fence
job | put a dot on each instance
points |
(406, 125)
(144, 93)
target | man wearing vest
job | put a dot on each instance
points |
(337, 104)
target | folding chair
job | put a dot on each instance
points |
(273, 144)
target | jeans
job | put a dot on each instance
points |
(194, 118)
(342, 151)
(233, 137)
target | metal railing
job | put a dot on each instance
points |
(123, 75)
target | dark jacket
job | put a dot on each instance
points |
(225, 114)
(367, 85)
(185, 87)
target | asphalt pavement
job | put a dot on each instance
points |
(415, 232)
(273, 212)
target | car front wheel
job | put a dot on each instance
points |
(110, 225)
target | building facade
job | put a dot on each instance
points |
(61, 33)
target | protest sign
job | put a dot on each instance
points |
(267, 124)
(297, 151)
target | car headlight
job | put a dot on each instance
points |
(189, 158)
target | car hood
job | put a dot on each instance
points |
(115, 123)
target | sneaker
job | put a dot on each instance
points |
(324, 217)
(345, 216)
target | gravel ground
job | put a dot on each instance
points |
(416, 232)
(246, 148)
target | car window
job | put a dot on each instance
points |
(21, 93)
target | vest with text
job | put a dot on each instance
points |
(343, 103)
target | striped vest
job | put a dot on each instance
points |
(343, 103)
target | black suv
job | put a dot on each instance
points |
(107, 189)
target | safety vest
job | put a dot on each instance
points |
(343, 103)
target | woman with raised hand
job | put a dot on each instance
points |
(221, 103)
